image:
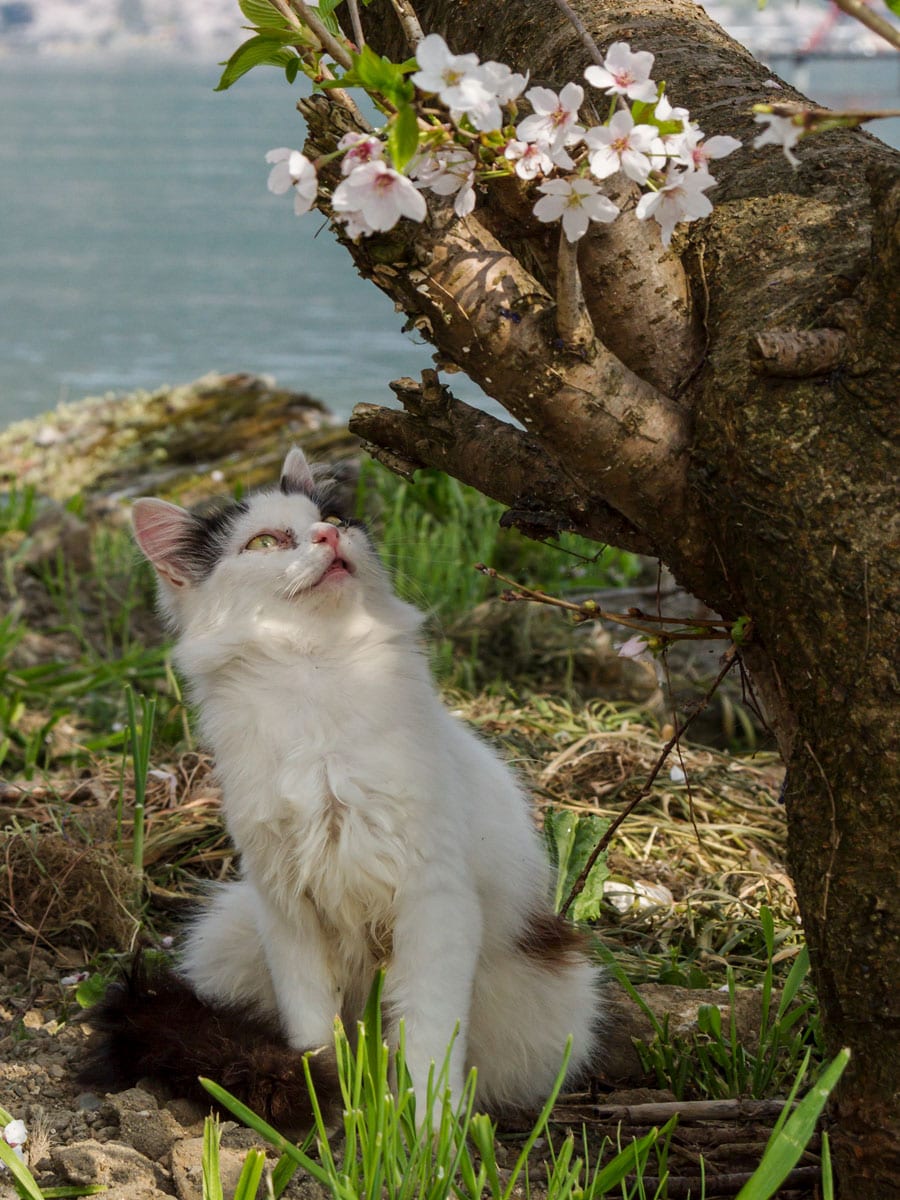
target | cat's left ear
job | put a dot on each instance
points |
(163, 532)
(296, 475)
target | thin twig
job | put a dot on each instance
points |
(872, 20)
(581, 29)
(358, 36)
(327, 40)
(730, 658)
(410, 22)
(588, 610)
(658, 1112)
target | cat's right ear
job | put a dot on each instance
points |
(162, 531)
(296, 475)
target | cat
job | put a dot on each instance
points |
(374, 829)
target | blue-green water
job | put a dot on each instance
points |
(139, 246)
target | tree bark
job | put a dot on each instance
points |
(762, 474)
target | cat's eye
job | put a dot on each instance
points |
(333, 519)
(264, 541)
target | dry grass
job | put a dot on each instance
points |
(712, 846)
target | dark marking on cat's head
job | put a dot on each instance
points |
(205, 537)
(183, 547)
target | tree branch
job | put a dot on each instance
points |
(872, 20)
(489, 316)
(503, 462)
(410, 22)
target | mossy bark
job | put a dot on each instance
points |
(782, 499)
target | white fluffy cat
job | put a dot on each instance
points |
(374, 828)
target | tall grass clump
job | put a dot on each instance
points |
(400, 1147)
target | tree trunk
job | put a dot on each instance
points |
(733, 415)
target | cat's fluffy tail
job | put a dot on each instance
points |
(152, 1024)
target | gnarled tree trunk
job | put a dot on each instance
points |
(732, 413)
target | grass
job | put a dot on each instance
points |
(89, 706)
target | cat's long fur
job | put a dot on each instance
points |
(374, 827)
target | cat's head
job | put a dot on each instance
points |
(272, 561)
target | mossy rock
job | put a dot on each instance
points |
(186, 442)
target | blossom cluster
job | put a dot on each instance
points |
(644, 138)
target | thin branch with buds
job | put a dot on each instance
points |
(587, 610)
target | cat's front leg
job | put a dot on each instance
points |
(429, 983)
(306, 992)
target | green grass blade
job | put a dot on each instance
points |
(209, 1160)
(265, 1130)
(23, 1180)
(785, 1150)
(251, 1174)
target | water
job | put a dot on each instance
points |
(139, 246)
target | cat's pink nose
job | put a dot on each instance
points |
(325, 535)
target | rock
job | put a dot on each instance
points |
(541, 646)
(120, 1168)
(628, 1022)
(187, 1174)
(221, 429)
(151, 1130)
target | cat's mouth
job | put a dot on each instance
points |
(338, 568)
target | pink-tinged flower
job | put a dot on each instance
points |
(680, 199)
(374, 197)
(531, 158)
(359, 148)
(554, 117)
(293, 170)
(782, 131)
(695, 153)
(577, 202)
(449, 172)
(16, 1135)
(625, 72)
(635, 647)
(620, 146)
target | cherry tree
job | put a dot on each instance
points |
(699, 343)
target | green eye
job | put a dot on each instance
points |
(262, 541)
(332, 520)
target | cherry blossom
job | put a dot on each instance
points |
(625, 72)
(782, 131)
(577, 202)
(531, 158)
(680, 199)
(554, 118)
(293, 170)
(458, 80)
(374, 197)
(503, 82)
(695, 153)
(449, 171)
(621, 146)
(360, 148)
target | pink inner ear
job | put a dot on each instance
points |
(160, 528)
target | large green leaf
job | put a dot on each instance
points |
(258, 51)
(403, 136)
